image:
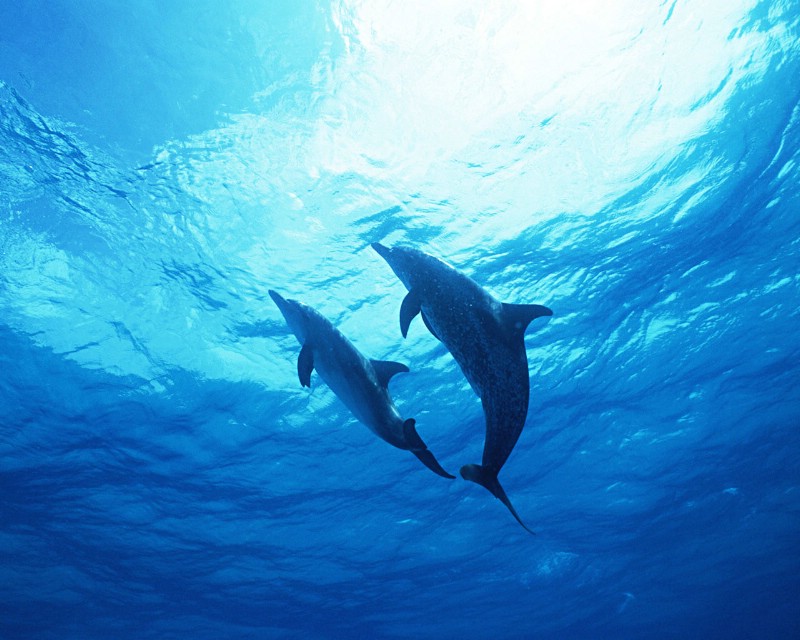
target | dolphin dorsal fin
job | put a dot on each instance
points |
(385, 369)
(517, 317)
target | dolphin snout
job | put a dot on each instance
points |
(277, 297)
(283, 303)
(383, 251)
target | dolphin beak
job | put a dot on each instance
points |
(383, 251)
(278, 299)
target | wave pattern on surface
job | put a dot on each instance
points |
(164, 475)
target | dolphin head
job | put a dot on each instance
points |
(294, 312)
(402, 260)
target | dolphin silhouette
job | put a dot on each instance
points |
(361, 384)
(486, 338)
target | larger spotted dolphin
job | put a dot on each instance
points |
(361, 384)
(486, 338)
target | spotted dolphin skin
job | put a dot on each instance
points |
(361, 384)
(486, 338)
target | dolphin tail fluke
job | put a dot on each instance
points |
(488, 479)
(418, 448)
(428, 459)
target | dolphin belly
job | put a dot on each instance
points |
(369, 404)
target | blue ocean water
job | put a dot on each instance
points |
(634, 166)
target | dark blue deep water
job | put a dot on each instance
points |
(632, 165)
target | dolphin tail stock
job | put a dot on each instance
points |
(419, 449)
(488, 479)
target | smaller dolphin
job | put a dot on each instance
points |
(486, 338)
(361, 384)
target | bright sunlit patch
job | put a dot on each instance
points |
(477, 119)
(527, 109)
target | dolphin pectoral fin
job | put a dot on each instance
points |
(410, 308)
(518, 316)
(305, 365)
(488, 479)
(385, 369)
(419, 449)
(430, 328)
